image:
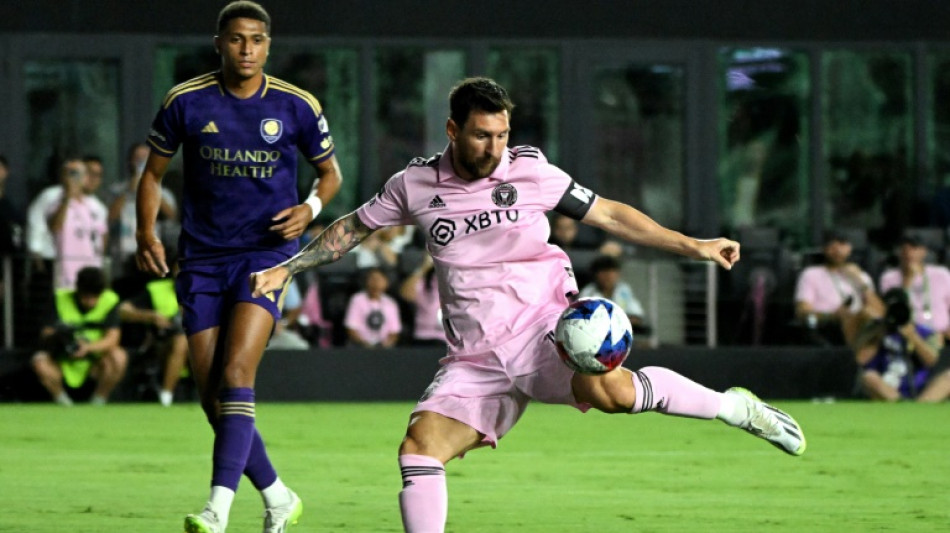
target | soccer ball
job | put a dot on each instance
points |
(593, 336)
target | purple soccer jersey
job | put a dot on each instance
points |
(488, 239)
(240, 161)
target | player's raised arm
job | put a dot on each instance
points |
(332, 244)
(294, 220)
(150, 256)
(628, 223)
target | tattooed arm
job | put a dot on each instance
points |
(335, 241)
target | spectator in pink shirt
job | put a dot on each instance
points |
(78, 223)
(927, 285)
(836, 298)
(372, 316)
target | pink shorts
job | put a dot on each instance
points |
(485, 392)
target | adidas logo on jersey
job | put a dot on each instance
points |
(210, 128)
(436, 203)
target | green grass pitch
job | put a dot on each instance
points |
(141, 468)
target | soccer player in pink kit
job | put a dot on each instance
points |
(482, 208)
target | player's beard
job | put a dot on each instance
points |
(479, 167)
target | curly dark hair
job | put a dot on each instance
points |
(483, 94)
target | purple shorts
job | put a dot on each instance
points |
(207, 292)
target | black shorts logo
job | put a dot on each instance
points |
(442, 231)
(504, 195)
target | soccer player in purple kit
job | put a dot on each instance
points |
(502, 287)
(240, 131)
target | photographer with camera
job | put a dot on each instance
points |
(927, 285)
(897, 355)
(82, 342)
(155, 309)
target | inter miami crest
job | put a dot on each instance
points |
(271, 130)
(504, 195)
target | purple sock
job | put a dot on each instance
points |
(233, 436)
(661, 389)
(259, 468)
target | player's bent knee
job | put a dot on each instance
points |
(238, 375)
(419, 441)
(411, 446)
(434, 435)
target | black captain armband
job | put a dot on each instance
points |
(576, 201)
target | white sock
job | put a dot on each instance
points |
(734, 409)
(220, 502)
(63, 399)
(275, 495)
(97, 400)
(165, 397)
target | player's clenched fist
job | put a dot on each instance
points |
(268, 281)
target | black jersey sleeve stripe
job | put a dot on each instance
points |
(576, 201)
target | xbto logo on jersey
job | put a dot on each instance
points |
(442, 230)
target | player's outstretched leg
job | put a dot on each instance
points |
(666, 391)
(662, 390)
(769, 423)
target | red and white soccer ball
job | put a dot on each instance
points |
(593, 336)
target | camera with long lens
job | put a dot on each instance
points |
(897, 311)
(64, 340)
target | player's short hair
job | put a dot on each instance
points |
(3, 161)
(483, 94)
(242, 9)
(91, 158)
(90, 281)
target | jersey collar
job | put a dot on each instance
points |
(260, 93)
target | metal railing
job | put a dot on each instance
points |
(679, 297)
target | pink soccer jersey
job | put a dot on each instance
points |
(488, 240)
(931, 300)
(827, 291)
(81, 241)
(373, 320)
(428, 322)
